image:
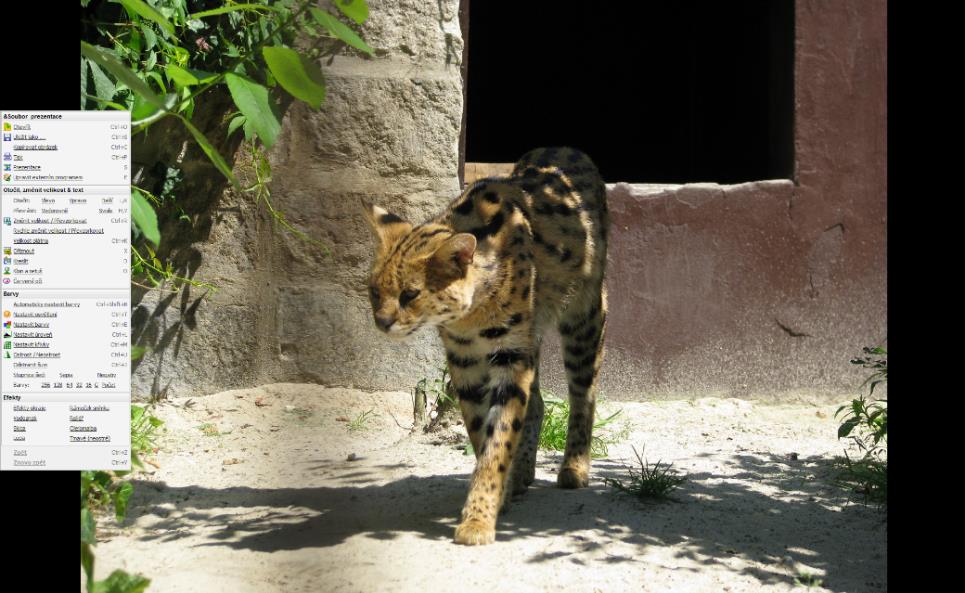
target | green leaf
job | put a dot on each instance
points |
(150, 38)
(180, 76)
(233, 8)
(340, 30)
(87, 562)
(144, 113)
(103, 87)
(137, 352)
(209, 150)
(357, 10)
(196, 25)
(144, 216)
(235, 123)
(83, 81)
(121, 582)
(121, 496)
(124, 74)
(135, 42)
(297, 74)
(142, 109)
(146, 11)
(87, 527)
(846, 428)
(156, 77)
(252, 100)
(188, 76)
(180, 55)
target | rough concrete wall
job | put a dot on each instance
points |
(763, 290)
(389, 132)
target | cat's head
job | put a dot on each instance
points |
(421, 275)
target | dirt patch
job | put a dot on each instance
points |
(292, 487)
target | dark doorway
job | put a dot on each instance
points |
(676, 92)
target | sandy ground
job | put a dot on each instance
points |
(255, 491)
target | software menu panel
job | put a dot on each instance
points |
(66, 290)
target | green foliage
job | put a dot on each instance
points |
(433, 404)
(340, 30)
(209, 430)
(158, 58)
(157, 272)
(354, 9)
(808, 580)
(144, 428)
(297, 74)
(361, 422)
(99, 489)
(435, 389)
(869, 417)
(252, 99)
(556, 417)
(649, 482)
(121, 582)
(144, 216)
(867, 475)
(865, 422)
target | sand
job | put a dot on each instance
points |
(272, 489)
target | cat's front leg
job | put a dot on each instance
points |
(499, 432)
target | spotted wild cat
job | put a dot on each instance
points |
(507, 259)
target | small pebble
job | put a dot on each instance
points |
(351, 457)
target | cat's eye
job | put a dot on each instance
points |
(407, 296)
(374, 294)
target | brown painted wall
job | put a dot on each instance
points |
(763, 290)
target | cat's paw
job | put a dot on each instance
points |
(573, 478)
(475, 533)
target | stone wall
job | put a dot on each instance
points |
(285, 310)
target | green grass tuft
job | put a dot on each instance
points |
(552, 435)
(209, 430)
(808, 580)
(361, 423)
(650, 482)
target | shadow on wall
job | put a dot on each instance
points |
(170, 164)
(713, 521)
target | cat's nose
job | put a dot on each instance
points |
(384, 322)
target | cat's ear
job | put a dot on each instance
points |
(385, 226)
(453, 257)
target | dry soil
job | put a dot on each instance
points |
(274, 489)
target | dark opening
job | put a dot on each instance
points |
(681, 91)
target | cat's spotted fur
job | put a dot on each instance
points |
(507, 259)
